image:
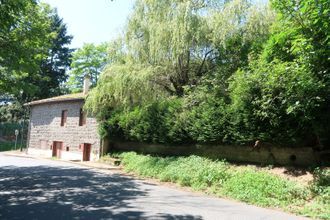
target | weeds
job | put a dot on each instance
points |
(247, 184)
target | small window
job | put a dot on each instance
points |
(82, 117)
(64, 117)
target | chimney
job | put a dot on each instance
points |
(87, 83)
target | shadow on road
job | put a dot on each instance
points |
(45, 192)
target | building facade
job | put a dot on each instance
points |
(60, 128)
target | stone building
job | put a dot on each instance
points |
(60, 128)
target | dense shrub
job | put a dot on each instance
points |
(171, 121)
(207, 118)
(321, 184)
(158, 122)
(281, 106)
(276, 102)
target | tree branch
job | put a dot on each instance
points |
(199, 72)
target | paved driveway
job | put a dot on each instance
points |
(45, 189)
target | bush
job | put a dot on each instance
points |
(321, 184)
(277, 102)
(207, 119)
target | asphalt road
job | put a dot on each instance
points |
(45, 189)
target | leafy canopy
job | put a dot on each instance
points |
(25, 36)
(170, 46)
(89, 60)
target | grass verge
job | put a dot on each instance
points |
(242, 183)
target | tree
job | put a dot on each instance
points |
(88, 60)
(36, 56)
(54, 67)
(170, 47)
(25, 37)
(283, 94)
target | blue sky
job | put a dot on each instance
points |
(92, 21)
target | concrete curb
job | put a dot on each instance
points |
(6, 153)
(95, 165)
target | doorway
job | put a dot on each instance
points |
(57, 147)
(86, 151)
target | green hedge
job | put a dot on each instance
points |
(211, 120)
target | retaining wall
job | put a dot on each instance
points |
(265, 155)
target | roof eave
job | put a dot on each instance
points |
(40, 102)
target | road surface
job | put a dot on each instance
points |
(46, 189)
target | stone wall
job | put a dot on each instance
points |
(45, 127)
(270, 155)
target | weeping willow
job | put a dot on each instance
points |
(171, 45)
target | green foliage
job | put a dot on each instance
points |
(12, 112)
(6, 146)
(197, 172)
(25, 37)
(206, 117)
(88, 60)
(245, 184)
(54, 67)
(262, 188)
(321, 183)
(170, 121)
(170, 45)
(8, 129)
(282, 96)
(240, 71)
(7, 135)
(122, 86)
(34, 55)
(280, 104)
(158, 122)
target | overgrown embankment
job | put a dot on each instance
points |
(247, 184)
